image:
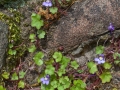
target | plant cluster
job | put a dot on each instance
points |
(61, 72)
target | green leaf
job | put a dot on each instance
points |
(75, 88)
(105, 77)
(10, 45)
(39, 55)
(32, 37)
(54, 83)
(32, 48)
(61, 71)
(93, 67)
(65, 82)
(36, 22)
(38, 58)
(53, 10)
(74, 64)
(60, 87)
(2, 88)
(107, 65)
(117, 61)
(57, 56)
(99, 49)
(6, 75)
(21, 84)
(14, 76)
(41, 34)
(21, 74)
(78, 84)
(49, 70)
(38, 62)
(115, 55)
(65, 61)
(12, 52)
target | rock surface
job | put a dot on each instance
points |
(3, 41)
(83, 20)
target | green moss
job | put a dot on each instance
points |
(16, 48)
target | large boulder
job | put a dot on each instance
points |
(84, 19)
(3, 41)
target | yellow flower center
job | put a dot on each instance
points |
(101, 58)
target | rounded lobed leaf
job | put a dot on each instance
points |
(32, 48)
(107, 65)
(57, 56)
(21, 84)
(36, 22)
(53, 10)
(93, 67)
(99, 49)
(105, 77)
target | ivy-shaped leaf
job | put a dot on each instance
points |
(14, 76)
(61, 71)
(36, 22)
(32, 37)
(115, 55)
(74, 64)
(78, 85)
(65, 82)
(6, 75)
(99, 49)
(38, 58)
(10, 45)
(117, 61)
(105, 77)
(32, 48)
(21, 74)
(41, 34)
(57, 56)
(21, 84)
(107, 65)
(12, 52)
(53, 10)
(64, 62)
(54, 83)
(93, 67)
(49, 70)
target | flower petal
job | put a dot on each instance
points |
(47, 82)
(96, 59)
(49, 4)
(44, 82)
(42, 79)
(102, 61)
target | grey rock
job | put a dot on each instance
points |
(77, 51)
(90, 55)
(81, 60)
(3, 42)
(83, 21)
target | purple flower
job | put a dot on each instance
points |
(47, 3)
(100, 59)
(111, 27)
(45, 80)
